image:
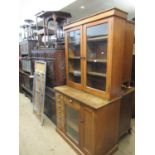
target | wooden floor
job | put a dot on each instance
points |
(44, 140)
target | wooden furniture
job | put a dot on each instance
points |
(90, 106)
(56, 75)
(52, 33)
(128, 53)
(88, 123)
(26, 67)
(49, 47)
(95, 52)
(50, 104)
(55, 59)
(39, 84)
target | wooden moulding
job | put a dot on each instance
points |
(108, 13)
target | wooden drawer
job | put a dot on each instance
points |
(71, 102)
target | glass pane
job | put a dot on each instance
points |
(74, 56)
(97, 39)
(72, 125)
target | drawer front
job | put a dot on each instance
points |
(71, 102)
(60, 111)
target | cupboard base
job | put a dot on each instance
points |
(75, 148)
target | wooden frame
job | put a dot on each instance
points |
(74, 105)
(86, 88)
(69, 82)
(40, 69)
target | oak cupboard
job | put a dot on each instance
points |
(89, 123)
(92, 125)
(89, 107)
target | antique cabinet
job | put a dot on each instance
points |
(55, 60)
(25, 69)
(90, 107)
(89, 123)
(51, 35)
(50, 48)
(95, 52)
(55, 75)
(26, 46)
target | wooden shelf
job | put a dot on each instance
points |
(97, 74)
(97, 60)
(73, 126)
(25, 73)
(74, 57)
(97, 38)
(28, 71)
(74, 73)
(74, 43)
(26, 89)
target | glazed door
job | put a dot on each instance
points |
(96, 52)
(73, 39)
(72, 117)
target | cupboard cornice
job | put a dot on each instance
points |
(105, 14)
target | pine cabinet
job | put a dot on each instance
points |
(88, 123)
(95, 50)
(90, 105)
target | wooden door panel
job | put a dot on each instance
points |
(72, 117)
(96, 53)
(87, 132)
(73, 48)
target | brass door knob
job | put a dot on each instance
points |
(70, 101)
